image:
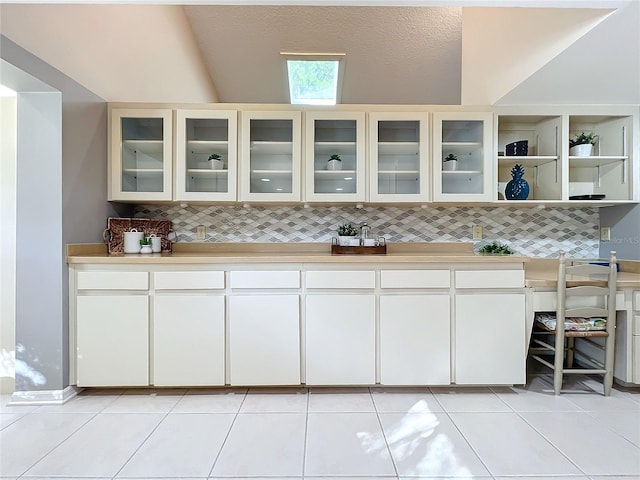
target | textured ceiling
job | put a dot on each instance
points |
(394, 55)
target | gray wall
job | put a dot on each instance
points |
(72, 205)
(624, 221)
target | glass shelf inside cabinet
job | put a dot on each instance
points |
(464, 139)
(335, 137)
(142, 154)
(398, 157)
(271, 152)
(207, 136)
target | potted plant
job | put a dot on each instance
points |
(450, 162)
(216, 162)
(496, 248)
(334, 162)
(145, 245)
(347, 232)
(582, 145)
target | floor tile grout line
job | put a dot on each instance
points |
(469, 443)
(600, 422)
(551, 443)
(226, 437)
(59, 443)
(384, 435)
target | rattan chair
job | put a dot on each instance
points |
(586, 306)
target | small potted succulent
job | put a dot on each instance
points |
(145, 245)
(582, 145)
(450, 162)
(334, 162)
(347, 233)
(496, 248)
(216, 162)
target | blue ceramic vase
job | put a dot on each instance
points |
(518, 187)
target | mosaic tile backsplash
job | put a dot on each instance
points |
(532, 232)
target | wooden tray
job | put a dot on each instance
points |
(114, 234)
(340, 250)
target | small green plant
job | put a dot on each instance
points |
(214, 156)
(347, 230)
(496, 248)
(144, 241)
(450, 157)
(335, 156)
(583, 139)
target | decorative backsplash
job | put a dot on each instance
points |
(534, 232)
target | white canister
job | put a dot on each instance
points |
(156, 243)
(132, 241)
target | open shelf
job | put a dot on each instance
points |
(530, 160)
(595, 161)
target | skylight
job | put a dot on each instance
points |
(314, 79)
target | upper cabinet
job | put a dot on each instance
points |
(462, 159)
(140, 155)
(206, 155)
(335, 156)
(270, 155)
(398, 157)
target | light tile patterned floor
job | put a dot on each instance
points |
(323, 433)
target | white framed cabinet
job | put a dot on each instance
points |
(271, 144)
(398, 157)
(140, 154)
(467, 136)
(199, 135)
(335, 133)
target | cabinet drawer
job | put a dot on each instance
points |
(490, 279)
(269, 279)
(113, 281)
(636, 301)
(188, 280)
(415, 279)
(341, 279)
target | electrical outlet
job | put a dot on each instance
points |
(201, 232)
(605, 234)
(477, 232)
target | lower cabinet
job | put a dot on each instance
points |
(112, 337)
(415, 340)
(264, 339)
(188, 340)
(490, 339)
(340, 339)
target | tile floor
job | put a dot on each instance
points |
(317, 433)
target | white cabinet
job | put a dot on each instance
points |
(270, 150)
(140, 154)
(335, 133)
(466, 136)
(398, 157)
(112, 340)
(415, 339)
(489, 341)
(543, 159)
(199, 135)
(340, 339)
(264, 339)
(188, 329)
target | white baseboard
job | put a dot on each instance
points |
(44, 397)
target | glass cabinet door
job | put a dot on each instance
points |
(335, 157)
(462, 161)
(271, 144)
(140, 154)
(398, 157)
(206, 159)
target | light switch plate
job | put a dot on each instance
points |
(605, 234)
(477, 232)
(201, 232)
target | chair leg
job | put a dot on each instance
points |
(609, 355)
(570, 351)
(558, 365)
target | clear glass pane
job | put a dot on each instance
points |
(398, 157)
(462, 141)
(335, 138)
(207, 150)
(271, 156)
(142, 154)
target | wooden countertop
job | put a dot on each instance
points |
(219, 253)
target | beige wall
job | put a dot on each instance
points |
(114, 52)
(8, 114)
